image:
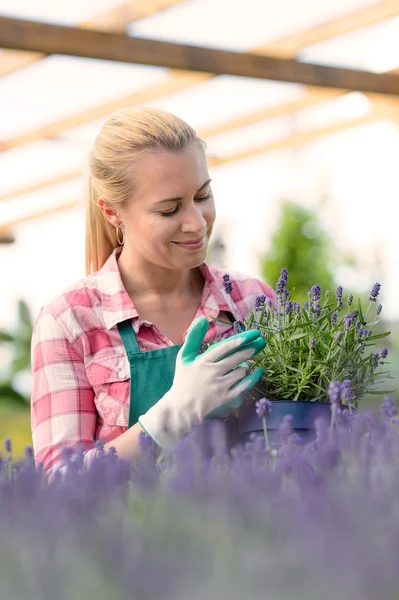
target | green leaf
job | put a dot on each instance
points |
(6, 337)
(378, 336)
(9, 394)
(297, 336)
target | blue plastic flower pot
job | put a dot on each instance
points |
(303, 414)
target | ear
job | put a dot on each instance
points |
(109, 213)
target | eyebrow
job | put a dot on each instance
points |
(178, 198)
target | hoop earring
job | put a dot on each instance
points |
(120, 242)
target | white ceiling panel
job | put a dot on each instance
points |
(60, 86)
(54, 11)
(374, 48)
(32, 163)
(238, 25)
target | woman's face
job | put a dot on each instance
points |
(169, 221)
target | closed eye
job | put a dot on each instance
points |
(174, 211)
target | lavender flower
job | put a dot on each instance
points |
(375, 359)
(260, 302)
(306, 306)
(317, 308)
(297, 308)
(334, 318)
(339, 291)
(282, 281)
(286, 428)
(312, 343)
(288, 307)
(263, 407)
(239, 326)
(334, 392)
(316, 293)
(384, 353)
(7, 445)
(350, 299)
(348, 321)
(375, 290)
(228, 285)
(347, 391)
(388, 408)
(379, 309)
(338, 336)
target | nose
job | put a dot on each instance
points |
(193, 220)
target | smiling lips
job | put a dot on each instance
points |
(192, 244)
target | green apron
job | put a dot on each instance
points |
(151, 373)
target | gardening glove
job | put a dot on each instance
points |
(203, 383)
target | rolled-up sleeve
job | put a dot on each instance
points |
(63, 413)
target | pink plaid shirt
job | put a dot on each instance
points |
(81, 374)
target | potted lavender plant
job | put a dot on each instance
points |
(316, 354)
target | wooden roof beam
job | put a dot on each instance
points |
(71, 41)
(116, 19)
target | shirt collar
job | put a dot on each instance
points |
(116, 303)
(118, 307)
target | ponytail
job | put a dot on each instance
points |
(100, 234)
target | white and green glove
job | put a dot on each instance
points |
(204, 385)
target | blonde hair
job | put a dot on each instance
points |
(127, 135)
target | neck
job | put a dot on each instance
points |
(141, 278)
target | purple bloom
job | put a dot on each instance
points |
(288, 307)
(239, 326)
(375, 359)
(334, 392)
(338, 336)
(384, 353)
(355, 315)
(286, 428)
(350, 299)
(338, 293)
(306, 306)
(334, 318)
(375, 290)
(282, 281)
(263, 407)
(7, 445)
(260, 302)
(297, 308)
(228, 285)
(316, 293)
(388, 408)
(379, 309)
(317, 308)
(348, 321)
(347, 391)
(312, 343)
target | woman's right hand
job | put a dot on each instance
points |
(203, 383)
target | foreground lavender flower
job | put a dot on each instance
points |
(263, 407)
(347, 391)
(334, 392)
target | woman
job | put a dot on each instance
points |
(116, 353)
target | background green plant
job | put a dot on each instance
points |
(300, 244)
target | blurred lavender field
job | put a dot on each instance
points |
(293, 523)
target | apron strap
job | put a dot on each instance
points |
(128, 337)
